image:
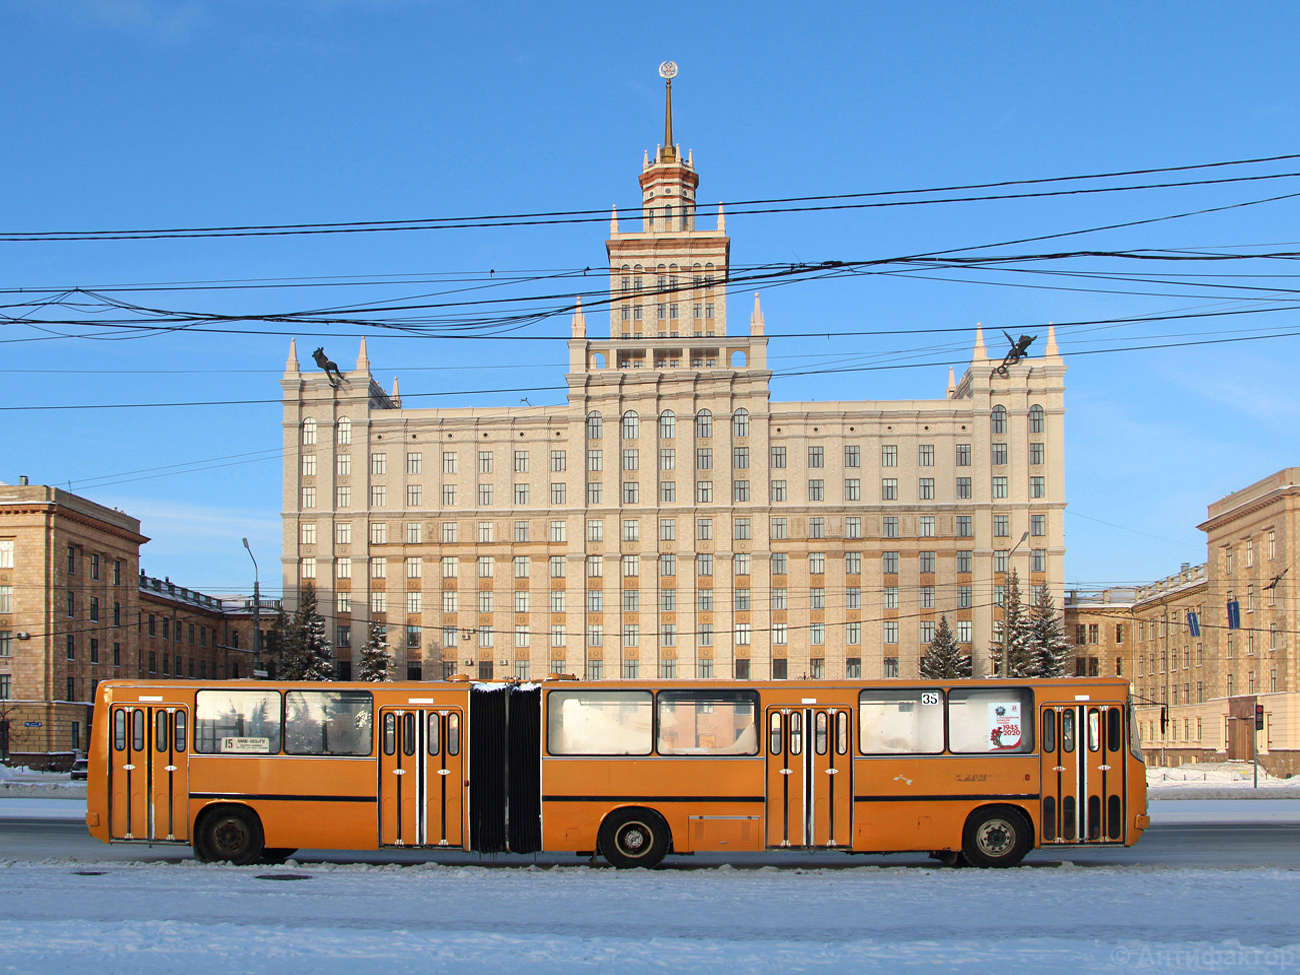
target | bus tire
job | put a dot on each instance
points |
(229, 833)
(996, 836)
(634, 838)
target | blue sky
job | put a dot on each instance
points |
(138, 114)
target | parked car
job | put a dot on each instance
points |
(79, 769)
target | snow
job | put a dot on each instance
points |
(163, 918)
(1218, 780)
(1168, 812)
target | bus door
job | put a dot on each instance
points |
(149, 773)
(1082, 774)
(809, 776)
(421, 777)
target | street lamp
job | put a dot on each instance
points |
(257, 619)
(1006, 630)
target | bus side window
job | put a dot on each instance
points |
(435, 743)
(774, 745)
(821, 735)
(408, 733)
(1114, 729)
(453, 733)
(160, 731)
(137, 730)
(119, 729)
(841, 732)
(1094, 729)
(178, 727)
(1049, 731)
(1067, 730)
(796, 733)
(390, 733)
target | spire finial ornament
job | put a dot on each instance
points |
(668, 71)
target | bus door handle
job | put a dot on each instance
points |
(1058, 768)
(169, 768)
(128, 768)
(399, 771)
(444, 771)
(832, 771)
(787, 771)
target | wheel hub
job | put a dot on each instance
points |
(632, 839)
(995, 837)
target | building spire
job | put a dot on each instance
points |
(613, 221)
(397, 394)
(291, 365)
(668, 71)
(952, 383)
(1052, 347)
(980, 352)
(756, 322)
(579, 321)
(363, 360)
(722, 220)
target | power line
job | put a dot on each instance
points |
(745, 207)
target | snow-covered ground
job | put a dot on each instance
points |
(1215, 780)
(164, 918)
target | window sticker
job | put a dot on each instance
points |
(1004, 725)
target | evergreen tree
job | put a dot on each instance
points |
(376, 658)
(305, 652)
(944, 659)
(1049, 651)
(1013, 654)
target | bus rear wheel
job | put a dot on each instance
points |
(995, 837)
(634, 838)
(231, 834)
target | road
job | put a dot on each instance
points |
(1213, 846)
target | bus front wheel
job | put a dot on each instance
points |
(997, 836)
(634, 838)
(233, 834)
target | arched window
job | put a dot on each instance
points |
(704, 424)
(345, 430)
(667, 425)
(594, 423)
(999, 419)
(309, 430)
(631, 425)
(1035, 419)
(740, 423)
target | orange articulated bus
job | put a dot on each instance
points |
(631, 770)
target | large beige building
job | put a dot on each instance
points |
(668, 518)
(76, 610)
(1185, 659)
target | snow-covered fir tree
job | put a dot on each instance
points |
(376, 658)
(944, 659)
(1048, 649)
(305, 652)
(1012, 654)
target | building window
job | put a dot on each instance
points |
(448, 462)
(704, 424)
(779, 563)
(309, 497)
(1038, 560)
(964, 562)
(927, 561)
(1036, 454)
(852, 489)
(999, 487)
(999, 455)
(998, 420)
(852, 456)
(963, 489)
(778, 457)
(817, 489)
(925, 455)
(889, 489)
(345, 431)
(889, 563)
(1037, 487)
(703, 492)
(1035, 419)
(740, 424)
(889, 632)
(378, 496)
(925, 489)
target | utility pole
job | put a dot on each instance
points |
(257, 618)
